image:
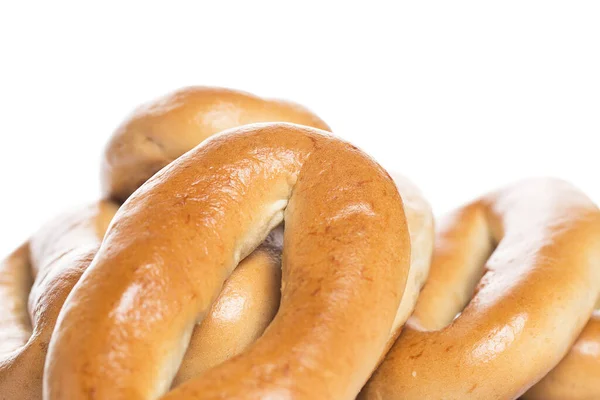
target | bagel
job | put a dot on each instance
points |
(242, 311)
(194, 295)
(419, 218)
(176, 239)
(152, 136)
(524, 262)
(217, 338)
(160, 131)
(577, 376)
(34, 282)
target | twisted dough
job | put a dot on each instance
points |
(176, 240)
(534, 248)
(53, 260)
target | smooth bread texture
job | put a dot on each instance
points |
(420, 222)
(245, 307)
(53, 260)
(193, 295)
(178, 238)
(251, 295)
(162, 130)
(34, 283)
(577, 376)
(524, 262)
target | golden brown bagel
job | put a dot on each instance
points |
(64, 248)
(252, 289)
(157, 133)
(174, 123)
(52, 261)
(162, 130)
(534, 248)
(254, 286)
(419, 218)
(577, 376)
(246, 305)
(176, 240)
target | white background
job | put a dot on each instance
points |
(459, 96)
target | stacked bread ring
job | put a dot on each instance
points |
(241, 251)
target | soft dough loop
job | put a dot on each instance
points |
(160, 131)
(176, 240)
(251, 295)
(52, 261)
(577, 376)
(534, 248)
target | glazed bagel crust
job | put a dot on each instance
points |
(250, 297)
(52, 261)
(577, 377)
(177, 239)
(419, 219)
(160, 131)
(157, 133)
(152, 136)
(534, 248)
(245, 307)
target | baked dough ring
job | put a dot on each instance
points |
(419, 218)
(52, 262)
(252, 293)
(160, 131)
(537, 245)
(245, 307)
(577, 376)
(151, 137)
(125, 328)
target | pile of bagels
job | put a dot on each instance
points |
(242, 251)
